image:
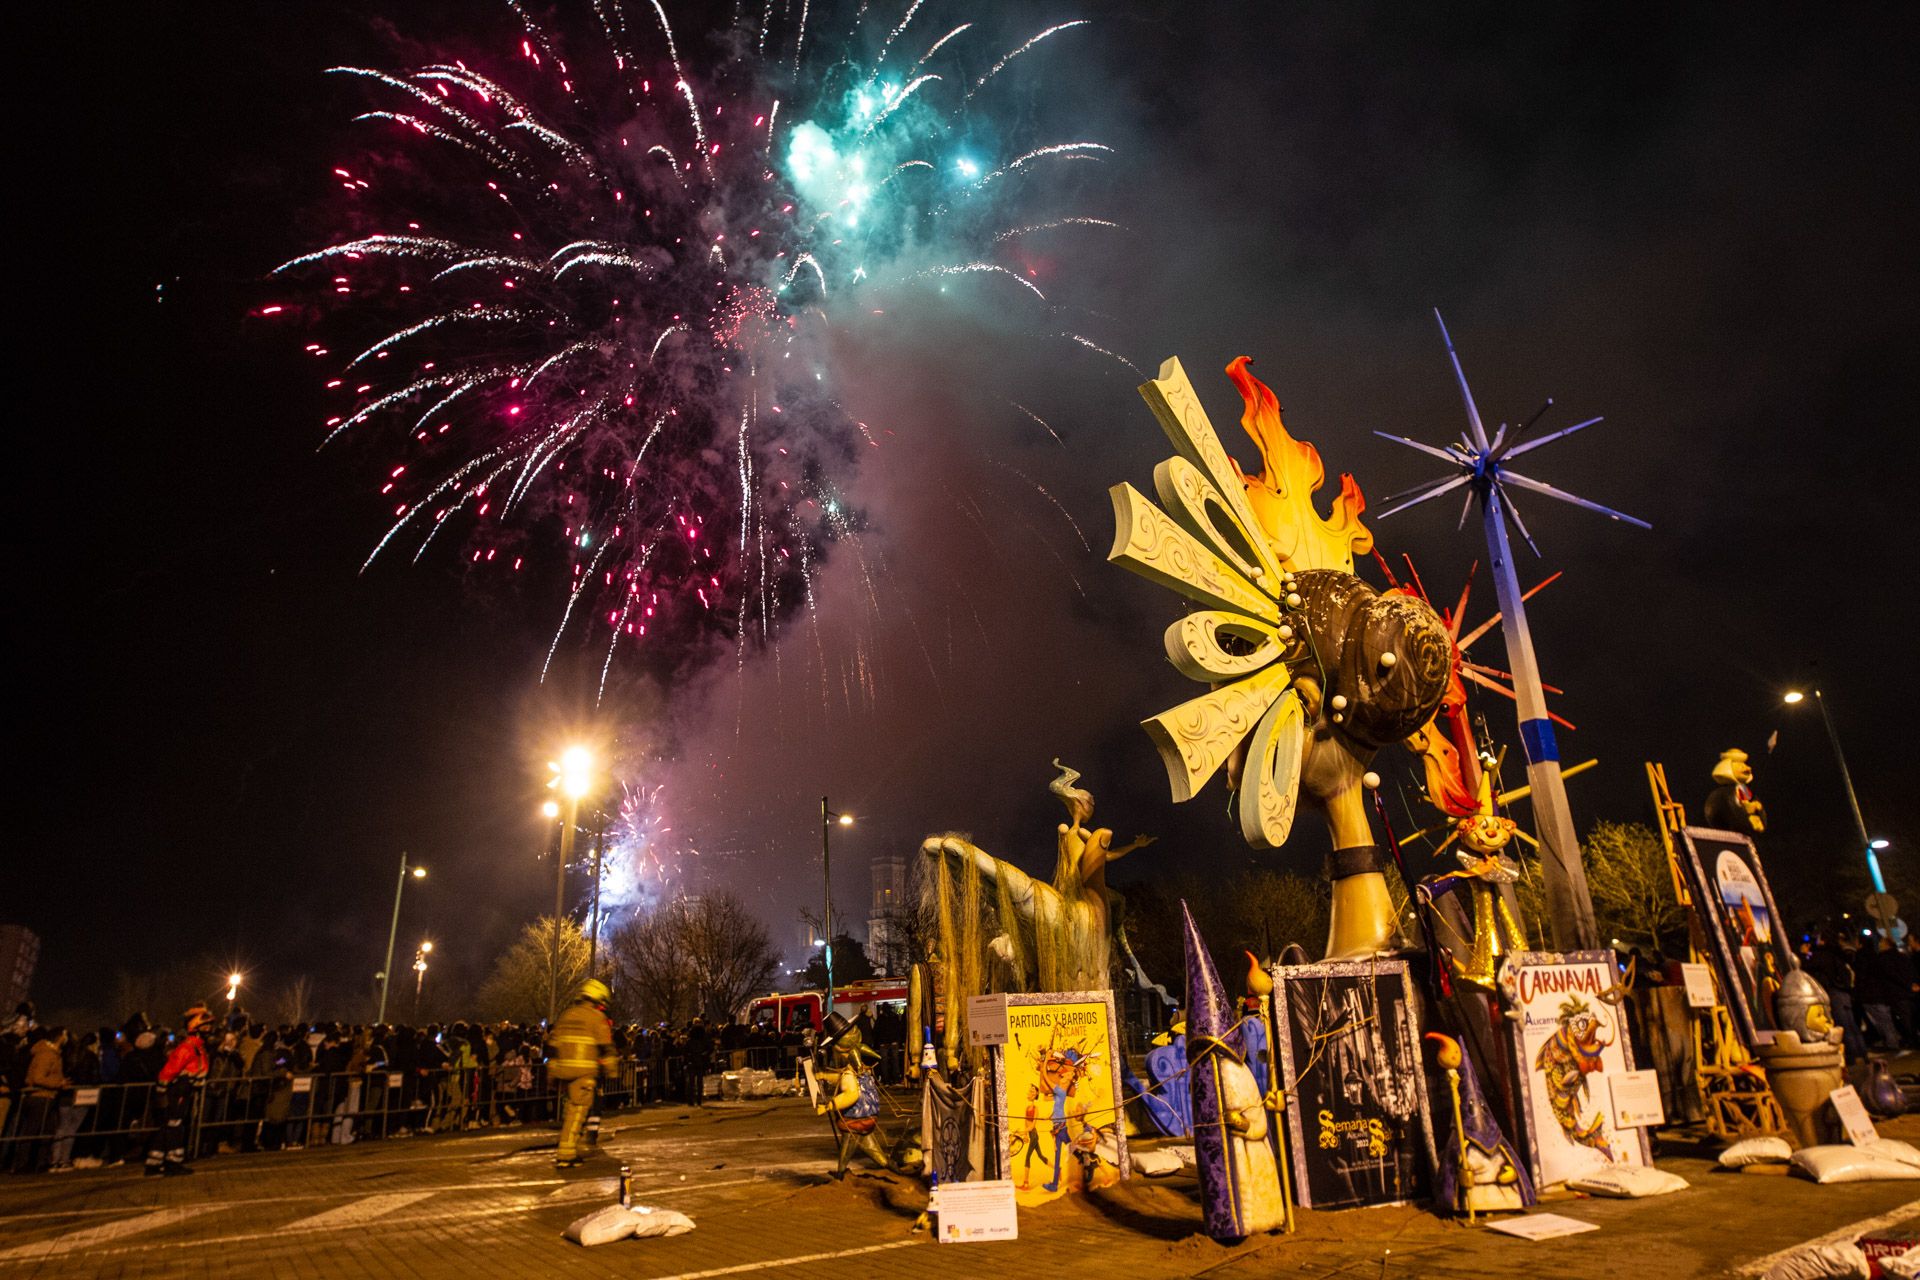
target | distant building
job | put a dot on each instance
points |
(890, 917)
(19, 954)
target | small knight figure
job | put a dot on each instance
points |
(1731, 806)
(853, 1106)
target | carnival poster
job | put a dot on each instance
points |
(1062, 1125)
(1356, 1094)
(1570, 1039)
(1749, 947)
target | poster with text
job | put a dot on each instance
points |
(1062, 1127)
(1744, 935)
(1349, 1037)
(1570, 1041)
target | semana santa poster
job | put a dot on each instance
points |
(1571, 1040)
(1064, 1129)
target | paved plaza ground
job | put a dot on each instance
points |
(754, 1176)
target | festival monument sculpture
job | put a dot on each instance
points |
(1312, 670)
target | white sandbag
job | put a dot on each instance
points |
(1628, 1182)
(1844, 1162)
(649, 1222)
(602, 1226)
(1822, 1262)
(1893, 1149)
(1756, 1151)
(1155, 1164)
(1905, 1266)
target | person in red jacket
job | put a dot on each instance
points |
(185, 1067)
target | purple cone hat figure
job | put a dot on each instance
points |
(1479, 1171)
(1239, 1182)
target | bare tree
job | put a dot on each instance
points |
(705, 954)
(730, 953)
(652, 977)
(522, 977)
(1631, 886)
(292, 1004)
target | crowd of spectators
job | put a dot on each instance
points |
(81, 1099)
(1874, 986)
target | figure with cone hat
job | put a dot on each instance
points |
(1484, 1173)
(1240, 1191)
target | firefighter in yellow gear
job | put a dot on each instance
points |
(579, 1052)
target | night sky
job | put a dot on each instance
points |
(1698, 221)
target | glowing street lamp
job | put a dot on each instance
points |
(1867, 843)
(393, 930)
(573, 777)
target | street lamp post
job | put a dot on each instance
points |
(393, 931)
(827, 818)
(1867, 842)
(419, 975)
(599, 854)
(573, 775)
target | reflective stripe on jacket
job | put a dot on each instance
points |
(580, 1044)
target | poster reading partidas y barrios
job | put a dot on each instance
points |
(1062, 1124)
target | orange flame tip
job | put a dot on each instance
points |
(1282, 495)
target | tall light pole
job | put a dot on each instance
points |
(573, 776)
(827, 818)
(1867, 842)
(420, 954)
(599, 855)
(393, 930)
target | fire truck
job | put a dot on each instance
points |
(804, 1010)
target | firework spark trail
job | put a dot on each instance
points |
(1043, 492)
(1093, 346)
(1001, 65)
(602, 278)
(1044, 424)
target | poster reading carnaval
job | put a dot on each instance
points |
(1571, 1041)
(1062, 1127)
(1356, 1093)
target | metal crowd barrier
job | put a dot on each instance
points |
(112, 1122)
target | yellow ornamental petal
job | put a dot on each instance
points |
(1195, 738)
(1202, 511)
(1181, 416)
(1270, 786)
(1194, 648)
(1153, 545)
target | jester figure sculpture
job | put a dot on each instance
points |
(1312, 670)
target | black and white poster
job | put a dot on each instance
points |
(1349, 1036)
